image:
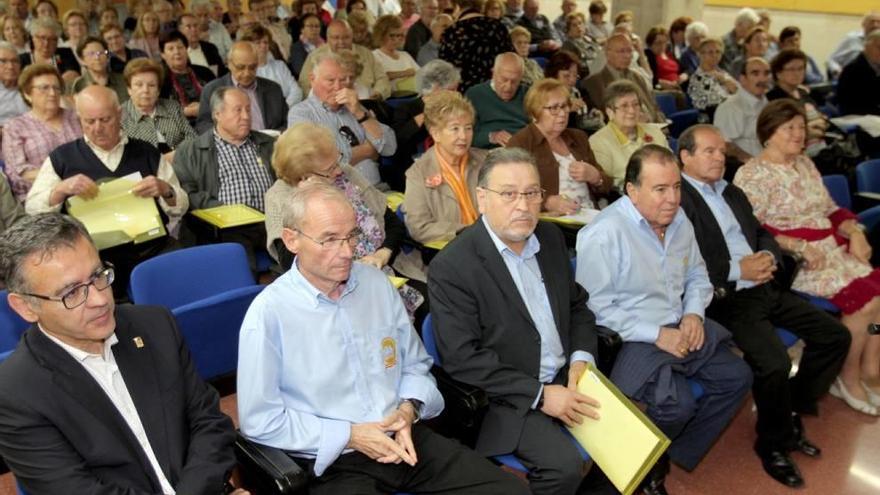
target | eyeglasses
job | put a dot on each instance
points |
(335, 243)
(628, 106)
(532, 196)
(98, 54)
(46, 88)
(558, 108)
(331, 172)
(9, 61)
(78, 294)
(45, 38)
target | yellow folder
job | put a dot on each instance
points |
(227, 216)
(116, 216)
(438, 245)
(397, 282)
(623, 441)
(579, 219)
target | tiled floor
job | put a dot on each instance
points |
(850, 462)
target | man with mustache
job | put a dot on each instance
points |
(737, 117)
(647, 281)
(509, 319)
(331, 370)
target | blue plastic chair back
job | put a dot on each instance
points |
(428, 339)
(838, 188)
(541, 61)
(673, 145)
(868, 176)
(11, 325)
(666, 102)
(180, 277)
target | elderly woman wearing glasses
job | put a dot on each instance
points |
(29, 138)
(565, 161)
(308, 152)
(96, 57)
(44, 37)
(388, 35)
(624, 134)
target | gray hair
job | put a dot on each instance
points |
(5, 45)
(218, 98)
(295, 211)
(696, 28)
(746, 15)
(504, 156)
(199, 3)
(436, 74)
(499, 59)
(39, 235)
(45, 23)
(328, 55)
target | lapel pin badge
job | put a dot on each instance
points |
(138, 342)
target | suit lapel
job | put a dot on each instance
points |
(551, 283)
(741, 217)
(707, 218)
(498, 271)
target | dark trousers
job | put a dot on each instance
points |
(554, 463)
(694, 425)
(751, 315)
(444, 466)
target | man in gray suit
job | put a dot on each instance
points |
(268, 107)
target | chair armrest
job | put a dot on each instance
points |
(870, 217)
(609, 345)
(268, 470)
(465, 407)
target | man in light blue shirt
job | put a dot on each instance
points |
(331, 370)
(641, 264)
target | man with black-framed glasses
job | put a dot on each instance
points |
(98, 397)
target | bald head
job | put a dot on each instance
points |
(339, 36)
(506, 75)
(99, 115)
(871, 22)
(619, 51)
(243, 62)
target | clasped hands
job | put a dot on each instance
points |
(372, 440)
(757, 267)
(566, 403)
(681, 341)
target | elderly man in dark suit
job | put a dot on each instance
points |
(268, 106)
(741, 258)
(510, 319)
(97, 398)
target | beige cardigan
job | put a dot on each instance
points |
(613, 156)
(432, 213)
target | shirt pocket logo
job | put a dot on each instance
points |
(389, 352)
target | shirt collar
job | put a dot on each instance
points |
(252, 87)
(315, 295)
(717, 188)
(623, 138)
(530, 250)
(123, 140)
(219, 139)
(629, 210)
(79, 354)
(752, 100)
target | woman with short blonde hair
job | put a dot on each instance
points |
(388, 37)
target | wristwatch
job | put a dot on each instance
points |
(417, 407)
(367, 116)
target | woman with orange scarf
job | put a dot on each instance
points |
(440, 185)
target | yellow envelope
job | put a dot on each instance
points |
(227, 216)
(116, 216)
(623, 441)
(397, 282)
(438, 245)
(394, 199)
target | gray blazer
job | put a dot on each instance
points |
(195, 164)
(269, 97)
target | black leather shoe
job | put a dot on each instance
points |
(654, 487)
(802, 444)
(781, 468)
(654, 480)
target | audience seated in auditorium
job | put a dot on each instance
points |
(689, 59)
(619, 53)
(200, 52)
(408, 119)
(742, 258)
(146, 34)
(677, 41)
(268, 107)
(852, 44)
(104, 151)
(409, 15)
(399, 66)
(625, 133)
(97, 397)
(421, 32)
(790, 37)
(11, 103)
(440, 195)
(857, 87)
(563, 65)
(664, 66)
(11, 210)
(145, 116)
(361, 25)
(788, 68)
(44, 38)
(790, 199)
(183, 81)
(14, 32)
(270, 68)
(657, 306)
(568, 170)
(431, 49)
(114, 37)
(527, 335)
(264, 11)
(745, 20)
(333, 103)
(228, 164)
(499, 103)
(339, 38)
(494, 9)
(307, 153)
(217, 34)
(772, 42)
(567, 8)
(473, 42)
(75, 28)
(578, 42)
(308, 41)
(96, 68)
(710, 85)
(513, 10)
(737, 116)
(532, 72)
(29, 138)
(545, 40)
(754, 45)
(355, 421)
(598, 27)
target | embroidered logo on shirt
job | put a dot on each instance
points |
(138, 342)
(389, 352)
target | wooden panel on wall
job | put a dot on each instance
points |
(855, 7)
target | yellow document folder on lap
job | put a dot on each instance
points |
(623, 441)
(227, 216)
(116, 216)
